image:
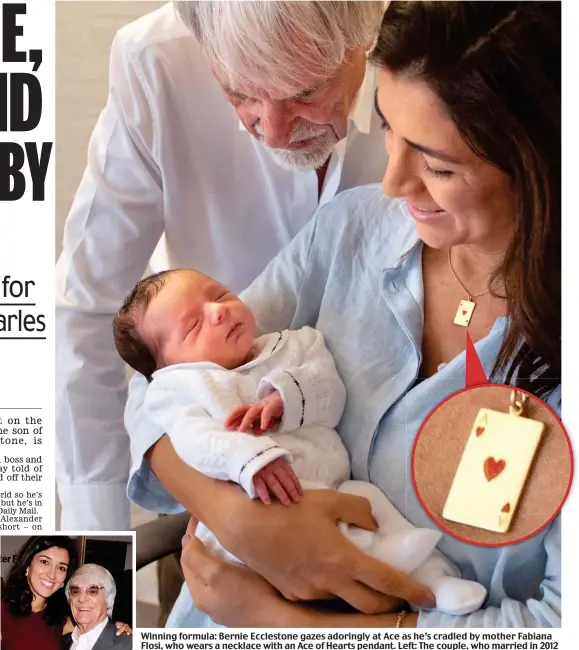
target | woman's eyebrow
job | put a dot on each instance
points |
(433, 153)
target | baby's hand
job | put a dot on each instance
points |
(279, 479)
(258, 417)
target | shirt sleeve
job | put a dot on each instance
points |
(312, 393)
(535, 612)
(201, 440)
(113, 226)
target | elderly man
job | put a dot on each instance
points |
(174, 170)
(91, 593)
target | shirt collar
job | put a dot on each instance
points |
(361, 113)
(90, 638)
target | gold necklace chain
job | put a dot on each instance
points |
(469, 295)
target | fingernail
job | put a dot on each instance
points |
(429, 602)
(185, 540)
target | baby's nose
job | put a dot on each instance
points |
(218, 312)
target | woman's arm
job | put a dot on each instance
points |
(298, 549)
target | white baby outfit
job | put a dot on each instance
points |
(190, 401)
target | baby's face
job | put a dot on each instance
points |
(194, 318)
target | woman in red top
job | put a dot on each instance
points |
(34, 608)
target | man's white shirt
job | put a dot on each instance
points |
(172, 181)
(87, 641)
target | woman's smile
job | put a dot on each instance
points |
(422, 215)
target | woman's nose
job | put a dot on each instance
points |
(400, 178)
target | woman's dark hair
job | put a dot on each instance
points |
(17, 595)
(497, 68)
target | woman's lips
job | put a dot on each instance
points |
(48, 585)
(423, 215)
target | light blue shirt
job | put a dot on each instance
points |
(355, 273)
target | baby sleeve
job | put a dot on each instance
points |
(312, 392)
(201, 440)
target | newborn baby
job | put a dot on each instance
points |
(215, 389)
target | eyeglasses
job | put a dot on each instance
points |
(91, 591)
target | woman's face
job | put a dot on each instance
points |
(454, 196)
(47, 571)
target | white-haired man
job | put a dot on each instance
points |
(174, 171)
(91, 594)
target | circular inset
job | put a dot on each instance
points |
(492, 465)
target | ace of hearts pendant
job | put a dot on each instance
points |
(494, 467)
(464, 313)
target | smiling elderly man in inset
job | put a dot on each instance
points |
(91, 593)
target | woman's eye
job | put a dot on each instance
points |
(436, 173)
(63, 569)
(43, 561)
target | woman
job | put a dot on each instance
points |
(35, 613)
(469, 97)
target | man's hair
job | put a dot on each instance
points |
(129, 342)
(276, 45)
(102, 578)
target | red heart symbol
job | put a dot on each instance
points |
(493, 468)
(479, 431)
(506, 507)
(464, 312)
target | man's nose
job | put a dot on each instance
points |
(276, 120)
(217, 312)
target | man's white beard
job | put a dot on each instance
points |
(303, 159)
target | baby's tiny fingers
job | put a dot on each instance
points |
(290, 482)
(233, 419)
(249, 419)
(278, 489)
(261, 489)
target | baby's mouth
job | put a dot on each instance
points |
(233, 329)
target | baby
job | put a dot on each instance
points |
(215, 389)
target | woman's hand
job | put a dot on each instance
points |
(123, 628)
(234, 596)
(302, 553)
(299, 550)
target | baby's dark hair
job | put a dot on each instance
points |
(129, 342)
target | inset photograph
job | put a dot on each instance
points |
(67, 591)
(492, 465)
